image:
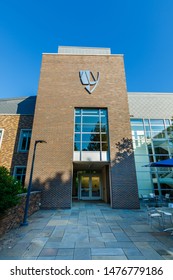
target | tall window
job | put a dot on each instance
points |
(19, 174)
(91, 135)
(24, 141)
(1, 132)
(153, 141)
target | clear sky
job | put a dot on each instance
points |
(142, 30)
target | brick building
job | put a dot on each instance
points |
(89, 122)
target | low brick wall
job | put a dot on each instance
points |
(14, 216)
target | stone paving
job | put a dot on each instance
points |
(88, 231)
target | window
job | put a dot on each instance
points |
(91, 134)
(152, 141)
(24, 141)
(19, 174)
(1, 133)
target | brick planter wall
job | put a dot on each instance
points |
(14, 216)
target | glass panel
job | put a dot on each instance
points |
(160, 150)
(90, 128)
(104, 146)
(85, 186)
(104, 137)
(90, 119)
(90, 133)
(91, 137)
(156, 121)
(150, 149)
(95, 186)
(28, 144)
(23, 147)
(104, 128)
(167, 122)
(158, 135)
(136, 121)
(77, 111)
(77, 137)
(76, 146)
(78, 119)
(90, 146)
(90, 111)
(157, 128)
(146, 122)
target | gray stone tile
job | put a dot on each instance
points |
(91, 244)
(68, 244)
(61, 257)
(132, 252)
(82, 254)
(65, 252)
(109, 258)
(48, 252)
(108, 236)
(107, 252)
(120, 244)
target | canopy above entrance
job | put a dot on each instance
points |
(88, 165)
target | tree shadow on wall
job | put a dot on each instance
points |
(124, 150)
(124, 181)
(56, 192)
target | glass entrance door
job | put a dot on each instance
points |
(90, 187)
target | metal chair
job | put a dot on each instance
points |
(154, 214)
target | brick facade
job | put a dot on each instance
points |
(60, 92)
(12, 125)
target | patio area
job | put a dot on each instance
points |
(88, 231)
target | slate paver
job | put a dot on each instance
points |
(90, 230)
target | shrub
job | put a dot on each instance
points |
(9, 188)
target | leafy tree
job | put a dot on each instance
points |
(9, 188)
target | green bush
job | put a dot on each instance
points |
(9, 188)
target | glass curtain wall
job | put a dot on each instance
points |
(91, 135)
(153, 141)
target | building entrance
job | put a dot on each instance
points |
(90, 187)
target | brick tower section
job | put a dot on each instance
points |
(60, 92)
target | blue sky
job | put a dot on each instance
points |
(142, 30)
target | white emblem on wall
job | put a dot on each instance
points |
(87, 78)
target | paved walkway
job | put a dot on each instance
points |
(88, 231)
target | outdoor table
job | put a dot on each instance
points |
(166, 210)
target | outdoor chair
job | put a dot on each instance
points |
(167, 215)
(144, 197)
(166, 197)
(152, 214)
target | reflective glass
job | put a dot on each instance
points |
(160, 150)
(90, 128)
(91, 119)
(158, 135)
(167, 122)
(104, 146)
(76, 146)
(77, 111)
(104, 137)
(156, 121)
(77, 127)
(90, 137)
(77, 119)
(157, 128)
(146, 122)
(91, 125)
(90, 111)
(90, 146)
(77, 137)
(136, 121)
(104, 128)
